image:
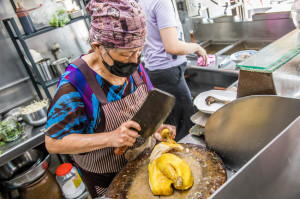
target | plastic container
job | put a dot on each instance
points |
(10, 129)
(69, 181)
(25, 20)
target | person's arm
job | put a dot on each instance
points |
(66, 125)
(174, 46)
(82, 143)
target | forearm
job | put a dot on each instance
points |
(182, 48)
(174, 46)
(77, 143)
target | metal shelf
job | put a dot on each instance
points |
(47, 29)
(21, 47)
(50, 82)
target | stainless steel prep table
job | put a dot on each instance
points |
(31, 138)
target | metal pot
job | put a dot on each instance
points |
(30, 175)
(36, 118)
(59, 66)
(45, 69)
(19, 164)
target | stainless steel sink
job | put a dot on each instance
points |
(213, 47)
(200, 79)
(246, 45)
(223, 19)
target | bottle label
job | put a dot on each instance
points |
(77, 180)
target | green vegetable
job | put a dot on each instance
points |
(60, 18)
(10, 130)
(2, 143)
(0, 152)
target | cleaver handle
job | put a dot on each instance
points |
(120, 150)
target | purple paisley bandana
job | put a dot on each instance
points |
(117, 23)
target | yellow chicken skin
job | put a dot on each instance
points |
(159, 184)
(164, 147)
(166, 169)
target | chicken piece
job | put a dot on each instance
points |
(165, 134)
(166, 169)
(159, 184)
(164, 147)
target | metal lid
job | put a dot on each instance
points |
(62, 60)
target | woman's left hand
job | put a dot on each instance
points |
(172, 132)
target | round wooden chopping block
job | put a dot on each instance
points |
(208, 170)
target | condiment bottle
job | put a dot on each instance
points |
(192, 36)
(69, 180)
(25, 20)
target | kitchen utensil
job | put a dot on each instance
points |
(241, 128)
(225, 62)
(200, 118)
(152, 114)
(239, 56)
(42, 64)
(210, 100)
(36, 118)
(207, 168)
(30, 174)
(45, 69)
(15, 112)
(59, 66)
(201, 105)
(35, 55)
(20, 164)
(197, 130)
(76, 14)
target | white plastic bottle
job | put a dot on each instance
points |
(69, 181)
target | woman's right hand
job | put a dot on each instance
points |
(124, 135)
(202, 53)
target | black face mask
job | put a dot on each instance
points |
(121, 69)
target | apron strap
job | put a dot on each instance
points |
(91, 80)
(138, 81)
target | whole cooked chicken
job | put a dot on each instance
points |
(166, 168)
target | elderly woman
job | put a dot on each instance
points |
(100, 92)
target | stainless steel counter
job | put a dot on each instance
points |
(230, 67)
(271, 173)
(31, 138)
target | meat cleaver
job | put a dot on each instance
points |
(152, 114)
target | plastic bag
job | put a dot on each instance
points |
(60, 18)
(51, 13)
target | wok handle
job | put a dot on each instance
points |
(120, 150)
